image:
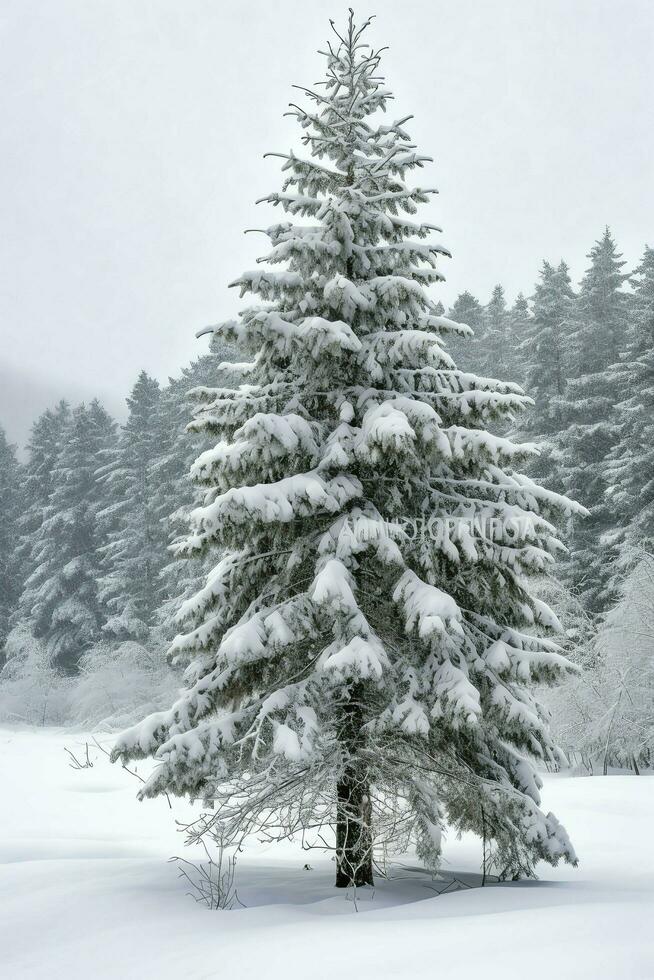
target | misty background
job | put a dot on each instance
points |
(133, 139)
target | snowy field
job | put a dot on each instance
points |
(86, 891)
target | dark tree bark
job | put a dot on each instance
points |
(353, 804)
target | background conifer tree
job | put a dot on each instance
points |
(631, 463)
(468, 349)
(496, 342)
(59, 604)
(588, 424)
(10, 502)
(520, 317)
(547, 348)
(42, 449)
(176, 494)
(545, 356)
(36, 486)
(131, 586)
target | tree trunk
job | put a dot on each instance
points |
(353, 803)
(353, 832)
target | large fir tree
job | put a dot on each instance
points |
(361, 654)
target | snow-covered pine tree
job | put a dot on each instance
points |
(10, 499)
(42, 449)
(631, 463)
(545, 353)
(468, 306)
(361, 655)
(519, 325)
(176, 495)
(468, 349)
(497, 348)
(59, 604)
(520, 314)
(602, 309)
(588, 430)
(548, 347)
(133, 521)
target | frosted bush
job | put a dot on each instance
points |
(116, 682)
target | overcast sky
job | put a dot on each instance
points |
(132, 140)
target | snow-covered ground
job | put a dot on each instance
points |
(86, 891)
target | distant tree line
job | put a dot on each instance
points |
(87, 576)
(87, 522)
(586, 358)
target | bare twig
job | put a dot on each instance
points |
(75, 762)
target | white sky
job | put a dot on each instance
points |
(132, 141)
